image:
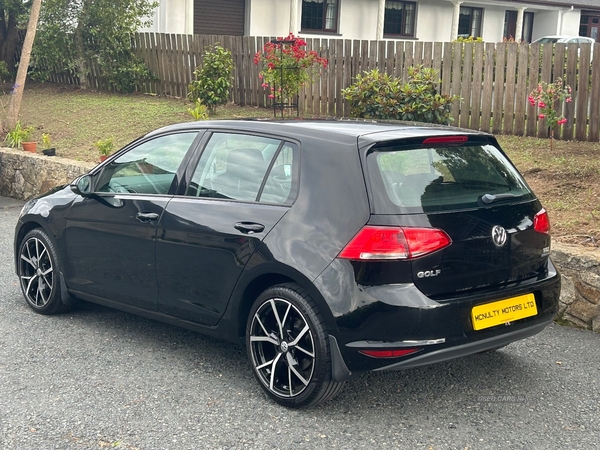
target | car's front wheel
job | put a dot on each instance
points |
(288, 347)
(38, 272)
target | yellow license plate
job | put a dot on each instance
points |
(503, 311)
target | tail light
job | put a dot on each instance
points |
(396, 353)
(541, 222)
(446, 140)
(374, 242)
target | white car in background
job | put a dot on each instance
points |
(568, 40)
(564, 40)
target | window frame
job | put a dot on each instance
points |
(471, 10)
(179, 175)
(323, 28)
(403, 20)
(194, 163)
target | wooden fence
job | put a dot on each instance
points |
(493, 80)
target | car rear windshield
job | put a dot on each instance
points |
(414, 180)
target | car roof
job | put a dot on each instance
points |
(347, 130)
(562, 38)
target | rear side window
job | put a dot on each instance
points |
(247, 168)
(413, 180)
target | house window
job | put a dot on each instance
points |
(320, 15)
(469, 22)
(510, 26)
(590, 25)
(527, 27)
(399, 19)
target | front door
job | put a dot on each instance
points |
(117, 224)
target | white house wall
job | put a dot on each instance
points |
(269, 18)
(173, 16)
(438, 25)
(570, 22)
(358, 19)
(545, 23)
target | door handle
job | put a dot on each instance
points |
(249, 227)
(146, 217)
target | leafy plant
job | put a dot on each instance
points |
(379, 96)
(546, 97)
(72, 36)
(18, 135)
(105, 146)
(46, 141)
(4, 73)
(200, 111)
(468, 39)
(288, 66)
(212, 79)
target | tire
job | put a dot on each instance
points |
(38, 273)
(288, 347)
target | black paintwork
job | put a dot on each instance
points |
(186, 263)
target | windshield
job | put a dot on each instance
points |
(413, 180)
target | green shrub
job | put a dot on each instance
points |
(4, 73)
(466, 40)
(19, 134)
(213, 78)
(379, 96)
(200, 111)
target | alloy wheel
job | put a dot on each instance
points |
(36, 272)
(282, 348)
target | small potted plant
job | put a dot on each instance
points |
(20, 136)
(105, 148)
(47, 148)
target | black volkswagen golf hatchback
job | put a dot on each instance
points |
(330, 248)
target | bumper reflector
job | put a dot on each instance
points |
(396, 353)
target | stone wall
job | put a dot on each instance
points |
(25, 175)
(580, 295)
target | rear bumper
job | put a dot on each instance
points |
(469, 348)
(400, 316)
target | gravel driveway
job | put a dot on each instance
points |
(98, 378)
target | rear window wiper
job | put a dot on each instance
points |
(491, 198)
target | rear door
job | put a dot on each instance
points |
(470, 190)
(240, 188)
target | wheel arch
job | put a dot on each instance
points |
(22, 231)
(252, 285)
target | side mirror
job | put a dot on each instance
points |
(82, 186)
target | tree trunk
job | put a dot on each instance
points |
(15, 101)
(80, 61)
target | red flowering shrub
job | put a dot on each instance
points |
(545, 96)
(298, 65)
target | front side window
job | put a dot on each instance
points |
(469, 22)
(320, 15)
(399, 19)
(149, 168)
(405, 180)
(246, 168)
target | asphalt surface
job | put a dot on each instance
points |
(97, 378)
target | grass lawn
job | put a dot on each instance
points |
(567, 180)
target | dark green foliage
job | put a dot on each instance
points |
(13, 18)
(379, 96)
(73, 35)
(212, 79)
(4, 73)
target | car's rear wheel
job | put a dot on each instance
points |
(39, 273)
(288, 347)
